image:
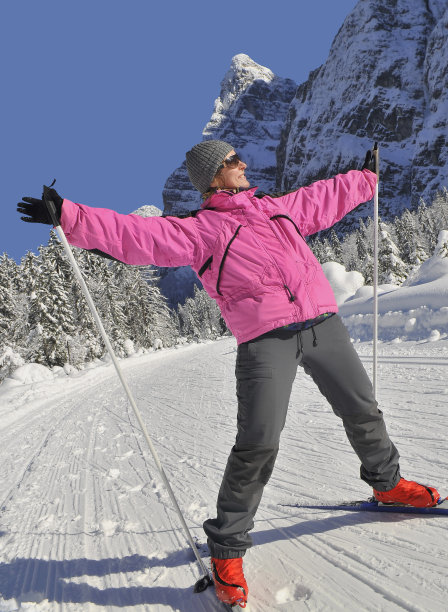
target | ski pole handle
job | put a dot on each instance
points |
(376, 155)
(50, 206)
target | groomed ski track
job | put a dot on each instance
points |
(86, 524)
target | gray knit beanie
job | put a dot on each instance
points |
(203, 160)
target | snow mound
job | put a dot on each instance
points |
(32, 373)
(344, 284)
(416, 310)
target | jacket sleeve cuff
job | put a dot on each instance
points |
(371, 177)
(68, 216)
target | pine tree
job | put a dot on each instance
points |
(107, 296)
(92, 346)
(61, 280)
(442, 244)
(159, 320)
(364, 250)
(327, 251)
(427, 226)
(147, 318)
(317, 248)
(439, 208)
(200, 317)
(336, 247)
(51, 317)
(409, 241)
(9, 316)
(391, 267)
(350, 259)
(186, 320)
(115, 298)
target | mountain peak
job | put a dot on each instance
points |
(244, 67)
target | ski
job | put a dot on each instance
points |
(372, 505)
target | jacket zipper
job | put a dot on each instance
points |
(221, 265)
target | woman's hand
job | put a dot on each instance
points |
(36, 210)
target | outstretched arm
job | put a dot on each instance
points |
(322, 204)
(162, 241)
(128, 238)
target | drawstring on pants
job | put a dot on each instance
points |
(314, 337)
(299, 344)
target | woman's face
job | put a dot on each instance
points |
(231, 178)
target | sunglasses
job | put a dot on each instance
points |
(230, 162)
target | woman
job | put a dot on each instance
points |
(252, 258)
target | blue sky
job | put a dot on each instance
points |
(106, 96)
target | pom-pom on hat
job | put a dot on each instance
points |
(203, 160)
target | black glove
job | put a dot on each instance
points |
(37, 211)
(371, 160)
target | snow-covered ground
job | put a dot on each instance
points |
(86, 523)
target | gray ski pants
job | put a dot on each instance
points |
(265, 370)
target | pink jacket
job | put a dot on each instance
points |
(249, 253)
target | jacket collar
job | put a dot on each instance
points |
(227, 200)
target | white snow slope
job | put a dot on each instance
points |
(86, 523)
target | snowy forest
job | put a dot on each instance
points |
(45, 318)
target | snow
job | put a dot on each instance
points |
(31, 372)
(148, 211)
(408, 311)
(86, 523)
(344, 284)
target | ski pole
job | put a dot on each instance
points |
(376, 155)
(205, 581)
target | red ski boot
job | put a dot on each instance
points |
(230, 584)
(409, 493)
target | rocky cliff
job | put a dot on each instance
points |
(385, 79)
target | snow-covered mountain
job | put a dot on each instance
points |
(148, 211)
(250, 113)
(385, 79)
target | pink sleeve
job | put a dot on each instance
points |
(322, 204)
(130, 238)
